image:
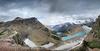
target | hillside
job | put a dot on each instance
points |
(37, 32)
(92, 41)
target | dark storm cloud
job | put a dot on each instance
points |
(11, 4)
(43, 8)
(73, 6)
(58, 6)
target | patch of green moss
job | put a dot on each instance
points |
(94, 44)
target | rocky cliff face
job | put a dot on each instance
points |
(92, 41)
(95, 33)
(37, 32)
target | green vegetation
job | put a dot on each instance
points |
(94, 44)
(1, 33)
(98, 33)
(55, 37)
(67, 32)
(54, 32)
(45, 29)
(18, 39)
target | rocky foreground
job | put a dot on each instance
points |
(8, 45)
(13, 33)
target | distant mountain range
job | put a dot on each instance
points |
(68, 26)
(62, 27)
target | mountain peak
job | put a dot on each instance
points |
(18, 18)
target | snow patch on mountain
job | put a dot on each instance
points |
(54, 20)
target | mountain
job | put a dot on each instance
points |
(66, 27)
(89, 24)
(92, 41)
(62, 27)
(30, 27)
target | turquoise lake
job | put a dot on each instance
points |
(79, 34)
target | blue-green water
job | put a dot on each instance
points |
(79, 34)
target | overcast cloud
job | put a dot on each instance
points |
(49, 11)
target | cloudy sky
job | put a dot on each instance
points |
(50, 11)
